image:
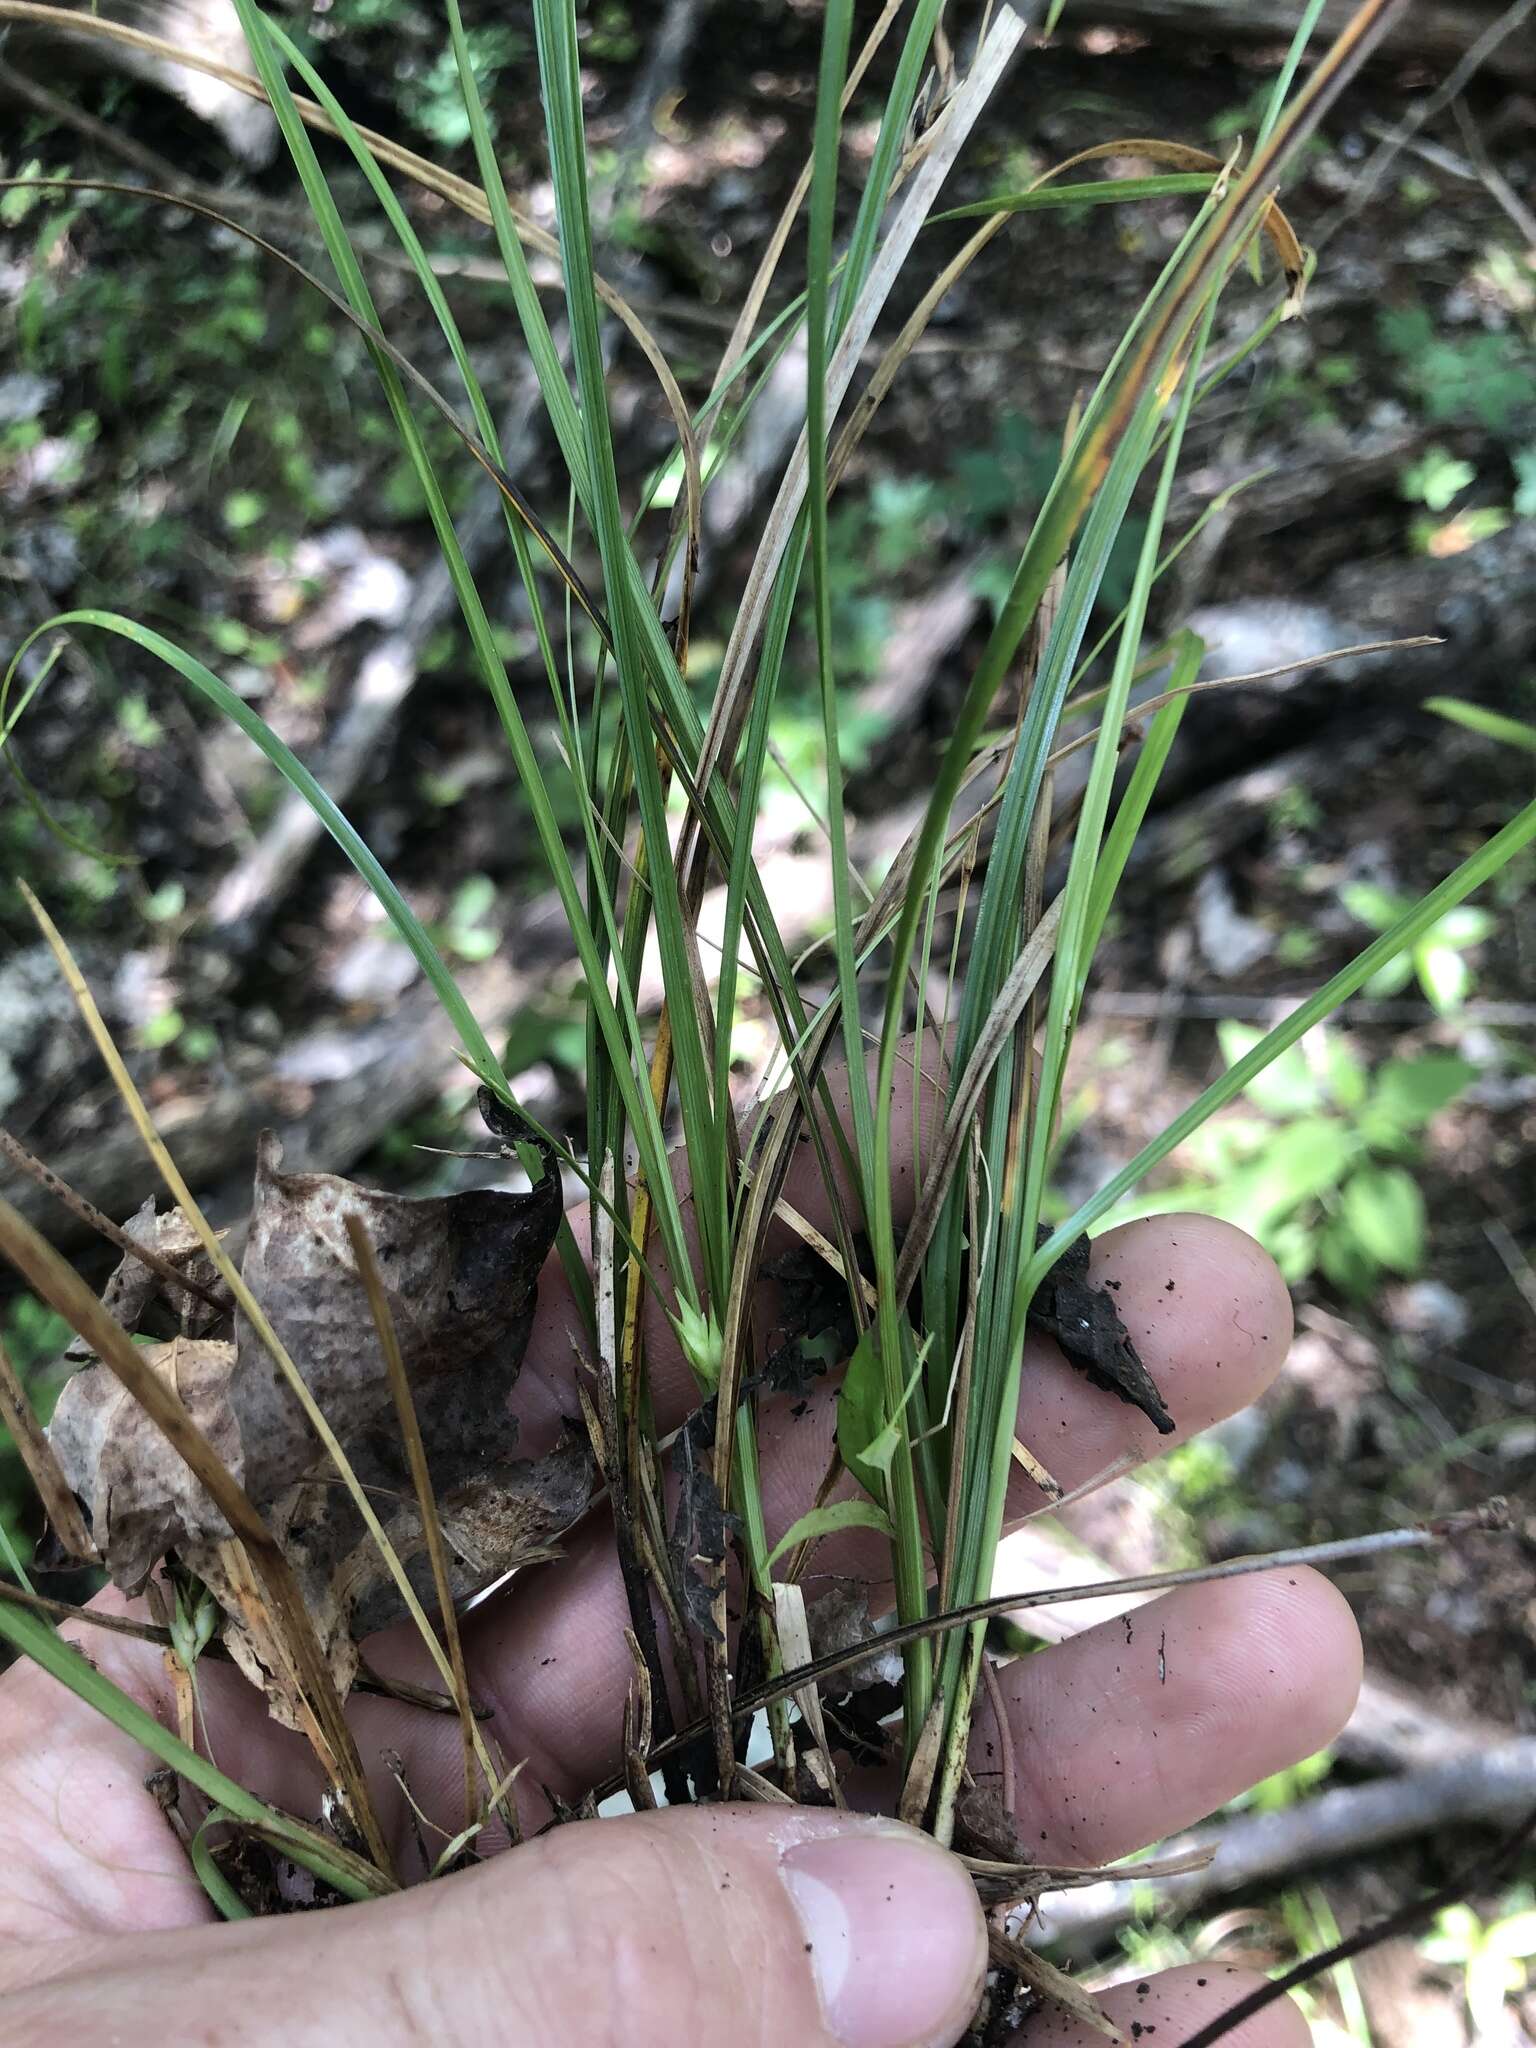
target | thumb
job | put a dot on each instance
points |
(761, 1926)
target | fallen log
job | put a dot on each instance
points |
(1483, 1788)
(1440, 33)
(331, 1094)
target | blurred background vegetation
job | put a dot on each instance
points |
(186, 433)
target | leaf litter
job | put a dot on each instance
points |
(461, 1276)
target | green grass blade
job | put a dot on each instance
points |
(226, 1900)
(32, 1636)
(545, 357)
(303, 783)
(555, 29)
(1479, 868)
(1491, 725)
(621, 1034)
(1122, 835)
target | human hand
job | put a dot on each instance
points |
(761, 1926)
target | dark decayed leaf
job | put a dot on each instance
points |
(1086, 1324)
(140, 1498)
(701, 1527)
(494, 1520)
(815, 1326)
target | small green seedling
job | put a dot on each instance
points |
(1436, 479)
(1493, 1956)
(1438, 960)
(467, 932)
(1321, 1172)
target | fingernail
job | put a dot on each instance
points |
(893, 1932)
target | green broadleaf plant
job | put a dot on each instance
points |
(1324, 1175)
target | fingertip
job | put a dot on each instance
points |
(1269, 1671)
(1303, 1618)
(1203, 1303)
(1190, 1700)
(1169, 2006)
(894, 1934)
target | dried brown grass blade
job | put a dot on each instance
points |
(757, 291)
(1180, 156)
(1256, 675)
(1032, 1969)
(1274, 223)
(943, 145)
(48, 1274)
(426, 1499)
(637, 1730)
(795, 1643)
(917, 1788)
(112, 1624)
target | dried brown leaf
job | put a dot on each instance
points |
(461, 1278)
(839, 1619)
(135, 1291)
(460, 1274)
(510, 1515)
(140, 1496)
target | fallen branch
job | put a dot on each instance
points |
(330, 1095)
(254, 889)
(1408, 1917)
(1481, 1788)
(1443, 30)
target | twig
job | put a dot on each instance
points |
(1489, 175)
(1412, 1915)
(251, 892)
(43, 1468)
(102, 133)
(1480, 1787)
(412, 1695)
(1492, 1516)
(113, 1624)
(1515, 1262)
(89, 1214)
(1364, 188)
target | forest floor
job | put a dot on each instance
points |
(160, 454)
